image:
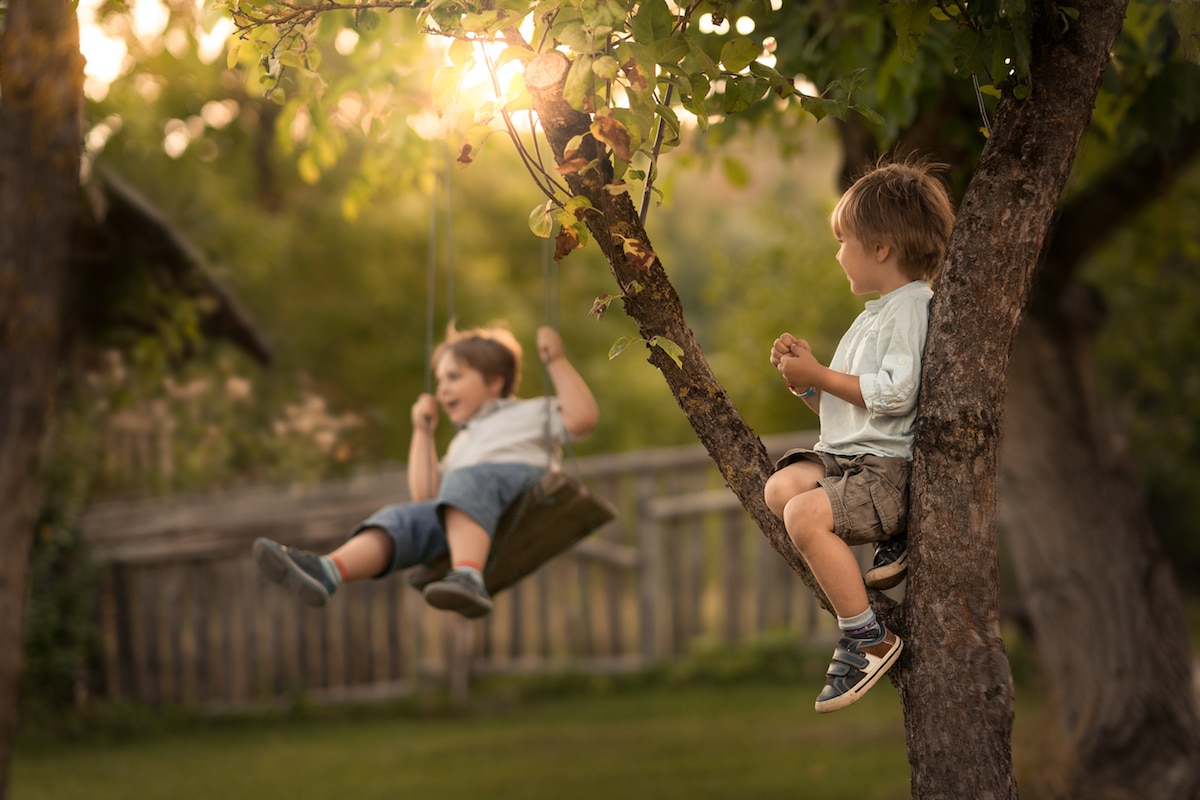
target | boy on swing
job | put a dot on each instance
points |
(499, 452)
(893, 224)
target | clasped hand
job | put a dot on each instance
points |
(794, 359)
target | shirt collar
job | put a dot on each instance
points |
(875, 305)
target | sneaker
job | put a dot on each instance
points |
(461, 592)
(857, 664)
(298, 571)
(890, 565)
(422, 575)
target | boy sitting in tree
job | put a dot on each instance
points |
(852, 488)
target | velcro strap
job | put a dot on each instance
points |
(845, 660)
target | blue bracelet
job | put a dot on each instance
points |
(809, 392)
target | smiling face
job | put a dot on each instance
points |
(462, 390)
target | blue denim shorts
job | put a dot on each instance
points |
(483, 491)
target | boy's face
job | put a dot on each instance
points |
(462, 390)
(864, 266)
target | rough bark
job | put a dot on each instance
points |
(41, 75)
(957, 688)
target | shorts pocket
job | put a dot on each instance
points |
(890, 507)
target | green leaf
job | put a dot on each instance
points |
(290, 58)
(462, 53)
(541, 219)
(911, 18)
(653, 22)
(606, 67)
(619, 346)
(367, 19)
(743, 91)
(670, 348)
(580, 85)
(738, 52)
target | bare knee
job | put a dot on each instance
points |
(776, 493)
(789, 482)
(807, 518)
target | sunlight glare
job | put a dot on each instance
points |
(345, 41)
(211, 44)
(150, 18)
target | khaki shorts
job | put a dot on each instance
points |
(869, 494)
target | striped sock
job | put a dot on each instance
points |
(862, 626)
(334, 572)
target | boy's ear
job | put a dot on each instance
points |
(495, 384)
(882, 251)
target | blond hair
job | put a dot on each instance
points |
(493, 351)
(902, 205)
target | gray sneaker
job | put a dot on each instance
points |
(298, 571)
(857, 664)
(461, 592)
(890, 565)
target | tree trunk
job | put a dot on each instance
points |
(1095, 585)
(41, 77)
(957, 689)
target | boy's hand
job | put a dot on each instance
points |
(787, 345)
(549, 344)
(799, 367)
(425, 413)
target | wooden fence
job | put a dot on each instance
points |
(188, 620)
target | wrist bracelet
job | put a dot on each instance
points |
(809, 392)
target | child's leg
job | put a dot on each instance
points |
(790, 481)
(867, 649)
(469, 542)
(463, 589)
(808, 518)
(395, 537)
(364, 556)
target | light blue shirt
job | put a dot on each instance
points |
(883, 348)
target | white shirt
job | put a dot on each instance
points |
(508, 430)
(883, 348)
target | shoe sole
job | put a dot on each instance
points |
(889, 576)
(453, 598)
(276, 567)
(854, 694)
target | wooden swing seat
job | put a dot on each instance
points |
(550, 517)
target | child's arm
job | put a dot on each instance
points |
(801, 369)
(579, 410)
(423, 473)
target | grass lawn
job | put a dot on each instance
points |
(747, 740)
